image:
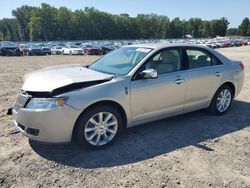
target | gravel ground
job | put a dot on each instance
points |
(192, 150)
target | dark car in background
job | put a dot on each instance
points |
(106, 49)
(34, 49)
(46, 50)
(8, 48)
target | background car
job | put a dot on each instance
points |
(72, 50)
(34, 49)
(106, 49)
(46, 50)
(23, 49)
(91, 50)
(56, 50)
(8, 48)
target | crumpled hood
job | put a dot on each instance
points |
(48, 79)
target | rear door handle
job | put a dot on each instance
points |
(179, 81)
(218, 74)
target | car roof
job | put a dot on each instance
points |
(165, 45)
(159, 46)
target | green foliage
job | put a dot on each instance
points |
(35, 28)
(23, 15)
(9, 29)
(244, 28)
(232, 31)
(50, 23)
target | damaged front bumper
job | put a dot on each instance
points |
(53, 126)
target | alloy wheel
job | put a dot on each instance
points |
(223, 100)
(101, 128)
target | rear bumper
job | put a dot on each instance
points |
(52, 126)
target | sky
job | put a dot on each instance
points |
(234, 10)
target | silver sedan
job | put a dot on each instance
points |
(127, 87)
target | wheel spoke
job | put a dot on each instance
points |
(220, 106)
(111, 131)
(93, 121)
(225, 93)
(106, 137)
(100, 115)
(224, 106)
(98, 139)
(111, 123)
(107, 118)
(90, 129)
(92, 136)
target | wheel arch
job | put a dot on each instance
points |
(231, 85)
(211, 107)
(104, 102)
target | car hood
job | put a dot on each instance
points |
(49, 79)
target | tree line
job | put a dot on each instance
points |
(46, 23)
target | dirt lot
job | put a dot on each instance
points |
(192, 150)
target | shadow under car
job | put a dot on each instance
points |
(152, 139)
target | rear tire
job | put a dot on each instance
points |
(221, 101)
(99, 127)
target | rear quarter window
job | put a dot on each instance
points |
(201, 58)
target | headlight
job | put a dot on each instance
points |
(46, 103)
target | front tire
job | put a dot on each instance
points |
(222, 100)
(99, 127)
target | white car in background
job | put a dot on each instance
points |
(55, 50)
(72, 50)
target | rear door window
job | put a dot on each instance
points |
(198, 58)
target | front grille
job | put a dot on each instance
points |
(21, 101)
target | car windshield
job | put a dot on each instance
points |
(121, 61)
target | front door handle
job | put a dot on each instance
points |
(218, 74)
(179, 81)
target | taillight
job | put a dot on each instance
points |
(241, 66)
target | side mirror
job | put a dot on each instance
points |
(149, 74)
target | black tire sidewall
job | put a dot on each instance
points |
(213, 107)
(83, 119)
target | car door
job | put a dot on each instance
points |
(156, 98)
(204, 74)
